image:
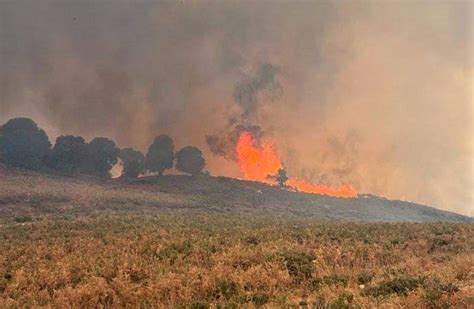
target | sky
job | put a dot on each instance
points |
(375, 94)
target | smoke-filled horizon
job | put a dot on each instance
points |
(377, 95)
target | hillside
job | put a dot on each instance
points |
(215, 242)
(33, 194)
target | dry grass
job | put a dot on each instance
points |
(53, 253)
(31, 194)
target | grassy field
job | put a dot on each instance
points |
(88, 243)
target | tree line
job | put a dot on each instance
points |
(25, 145)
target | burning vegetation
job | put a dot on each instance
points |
(247, 144)
(259, 161)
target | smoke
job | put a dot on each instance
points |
(378, 95)
(246, 95)
(246, 92)
(224, 144)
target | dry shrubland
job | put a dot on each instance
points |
(191, 257)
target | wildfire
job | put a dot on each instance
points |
(259, 159)
(304, 186)
(256, 161)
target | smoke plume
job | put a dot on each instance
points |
(246, 92)
(375, 94)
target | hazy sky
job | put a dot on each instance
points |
(377, 94)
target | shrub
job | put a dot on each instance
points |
(23, 219)
(227, 288)
(259, 299)
(175, 251)
(335, 279)
(299, 264)
(435, 290)
(400, 286)
(438, 243)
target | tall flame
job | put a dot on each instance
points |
(256, 161)
(259, 159)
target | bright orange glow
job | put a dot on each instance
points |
(258, 161)
(304, 186)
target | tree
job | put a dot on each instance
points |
(281, 177)
(102, 155)
(189, 160)
(23, 144)
(133, 162)
(69, 154)
(160, 155)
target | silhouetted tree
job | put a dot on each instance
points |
(23, 144)
(69, 154)
(189, 160)
(281, 177)
(160, 155)
(133, 162)
(102, 155)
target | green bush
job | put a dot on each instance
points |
(435, 289)
(227, 288)
(299, 264)
(335, 279)
(400, 286)
(174, 251)
(23, 219)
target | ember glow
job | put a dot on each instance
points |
(258, 160)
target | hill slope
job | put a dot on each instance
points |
(32, 194)
(233, 194)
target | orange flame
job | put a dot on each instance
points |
(259, 160)
(256, 161)
(304, 186)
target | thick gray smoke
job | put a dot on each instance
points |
(376, 94)
(224, 144)
(247, 94)
(247, 91)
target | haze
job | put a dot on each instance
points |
(378, 95)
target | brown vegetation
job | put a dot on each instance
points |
(172, 253)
